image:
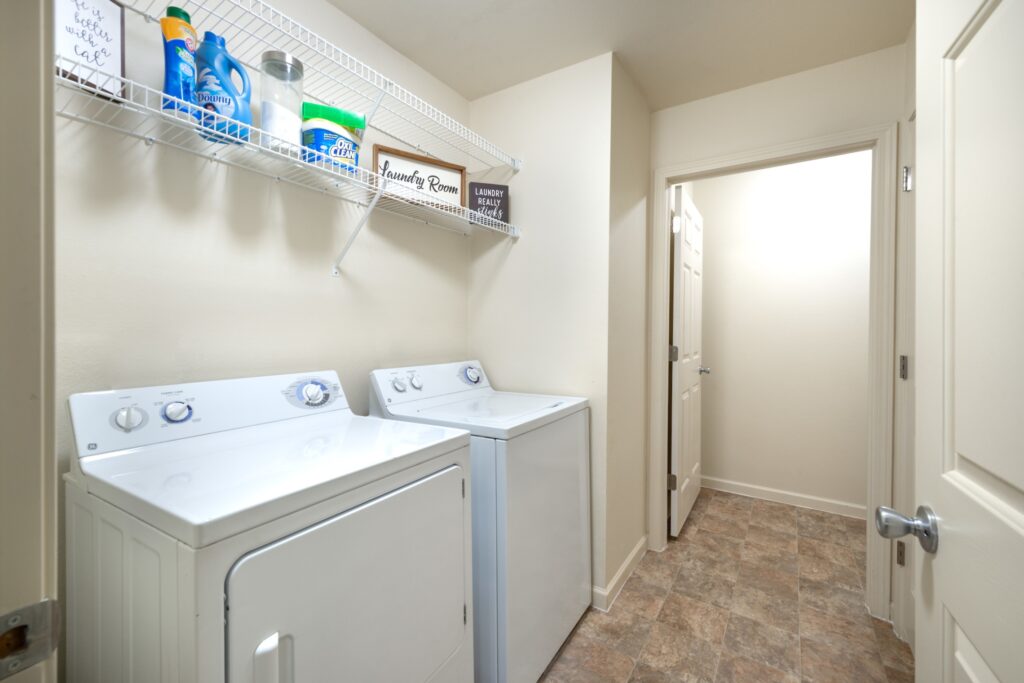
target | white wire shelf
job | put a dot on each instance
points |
(334, 77)
(83, 94)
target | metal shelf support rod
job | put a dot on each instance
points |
(336, 270)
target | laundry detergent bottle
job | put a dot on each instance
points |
(216, 92)
(179, 60)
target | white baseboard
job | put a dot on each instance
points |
(789, 497)
(602, 598)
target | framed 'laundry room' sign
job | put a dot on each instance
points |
(433, 177)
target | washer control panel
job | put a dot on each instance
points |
(399, 385)
(105, 421)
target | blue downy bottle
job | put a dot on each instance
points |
(216, 92)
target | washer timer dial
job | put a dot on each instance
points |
(472, 375)
(128, 418)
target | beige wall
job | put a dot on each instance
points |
(28, 504)
(786, 265)
(625, 484)
(171, 268)
(848, 95)
(563, 310)
(538, 309)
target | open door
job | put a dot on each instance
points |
(970, 332)
(685, 366)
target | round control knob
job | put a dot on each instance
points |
(313, 393)
(128, 418)
(398, 385)
(177, 411)
(473, 375)
(416, 383)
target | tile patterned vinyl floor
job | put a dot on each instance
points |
(752, 591)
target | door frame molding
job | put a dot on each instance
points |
(881, 140)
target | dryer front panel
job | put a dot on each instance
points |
(376, 593)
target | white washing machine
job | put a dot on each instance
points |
(531, 507)
(256, 530)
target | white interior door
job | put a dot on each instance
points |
(970, 332)
(684, 421)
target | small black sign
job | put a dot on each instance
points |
(490, 200)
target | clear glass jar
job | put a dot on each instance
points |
(281, 96)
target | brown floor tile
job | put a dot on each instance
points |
(645, 674)
(734, 498)
(723, 507)
(734, 669)
(702, 584)
(774, 516)
(821, 663)
(752, 591)
(822, 526)
(772, 558)
(720, 545)
(693, 617)
(724, 526)
(847, 576)
(767, 608)
(584, 659)
(897, 676)
(831, 599)
(657, 569)
(673, 652)
(771, 538)
(811, 547)
(855, 635)
(768, 580)
(621, 631)
(896, 654)
(764, 644)
(640, 598)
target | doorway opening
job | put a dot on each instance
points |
(878, 148)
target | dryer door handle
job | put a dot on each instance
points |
(271, 661)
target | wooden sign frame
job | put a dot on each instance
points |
(424, 161)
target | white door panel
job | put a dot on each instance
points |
(342, 601)
(688, 271)
(970, 329)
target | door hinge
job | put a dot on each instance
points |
(907, 180)
(904, 367)
(673, 482)
(901, 553)
(673, 354)
(465, 616)
(28, 636)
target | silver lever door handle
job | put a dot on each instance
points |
(703, 370)
(925, 526)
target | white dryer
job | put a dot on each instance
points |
(257, 530)
(531, 507)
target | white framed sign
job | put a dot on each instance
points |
(91, 32)
(438, 179)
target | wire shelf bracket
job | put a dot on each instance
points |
(336, 270)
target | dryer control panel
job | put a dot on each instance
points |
(394, 386)
(106, 421)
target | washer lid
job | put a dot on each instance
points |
(206, 488)
(495, 414)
